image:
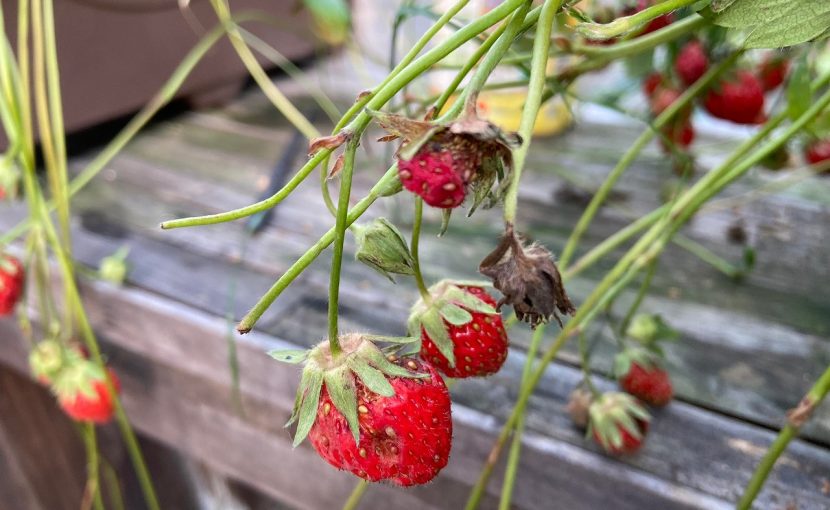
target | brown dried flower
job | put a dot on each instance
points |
(529, 280)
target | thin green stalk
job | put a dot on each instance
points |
(357, 493)
(628, 23)
(415, 242)
(93, 477)
(708, 256)
(516, 446)
(628, 158)
(585, 365)
(339, 239)
(274, 94)
(641, 294)
(536, 87)
(797, 418)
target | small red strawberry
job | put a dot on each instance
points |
(436, 175)
(405, 438)
(651, 83)
(664, 97)
(479, 344)
(83, 393)
(618, 423)
(639, 374)
(441, 162)
(379, 417)
(739, 99)
(12, 279)
(818, 151)
(772, 72)
(691, 62)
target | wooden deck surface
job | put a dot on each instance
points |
(747, 351)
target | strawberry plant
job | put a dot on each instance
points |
(376, 406)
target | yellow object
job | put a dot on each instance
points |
(504, 108)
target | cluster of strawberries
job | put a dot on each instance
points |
(79, 384)
(618, 421)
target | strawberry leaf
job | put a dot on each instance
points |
(776, 23)
(373, 378)
(343, 392)
(433, 324)
(310, 401)
(455, 315)
(292, 356)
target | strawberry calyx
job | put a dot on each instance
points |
(647, 359)
(49, 357)
(77, 378)
(614, 414)
(361, 359)
(448, 304)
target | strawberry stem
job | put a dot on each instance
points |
(340, 228)
(356, 495)
(641, 294)
(811, 400)
(416, 237)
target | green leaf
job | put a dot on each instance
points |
(308, 409)
(455, 315)
(373, 378)
(719, 5)
(292, 356)
(798, 91)
(341, 387)
(437, 331)
(776, 23)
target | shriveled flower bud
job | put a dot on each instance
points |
(529, 280)
(382, 247)
(578, 404)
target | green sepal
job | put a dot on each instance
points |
(343, 392)
(455, 315)
(308, 408)
(400, 340)
(446, 215)
(469, 301)
(433, 324)
(376, 358)
(372, 378)
(291, 356)
(381, 246)
(645, 358)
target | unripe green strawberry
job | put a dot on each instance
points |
(405, 438)
(479, 345)
(618, 423)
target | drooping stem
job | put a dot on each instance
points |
(797, 418)
(585, 364)
(413, 247)
(641, 294)
(93, 477)
(535, 89)
(340, 228)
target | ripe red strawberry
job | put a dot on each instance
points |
(772, 72)
(651, 83)
(739, 99)
(404, 438)
(662, 98)
(817, 151)
(83, 393)
(651, 384)
(618, 423)
(479, 346)
(436, 175)
(12, 279)
(691, 62)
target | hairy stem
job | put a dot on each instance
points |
(416, 238)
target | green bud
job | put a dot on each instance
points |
(46, 360)
(648, 329)
(382, 247)
(114, 267)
